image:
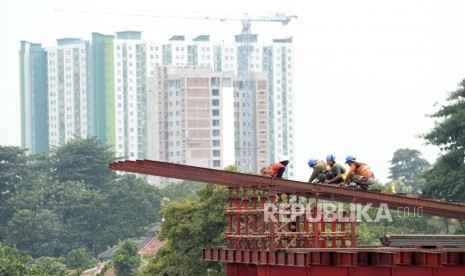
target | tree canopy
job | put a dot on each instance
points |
(407, 166)
(15, 263)
(446, 179)
(54, 204)
(126, 260)
(83, 160)
(189, 227)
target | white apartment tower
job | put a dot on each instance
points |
(130, 81)
(68, 84)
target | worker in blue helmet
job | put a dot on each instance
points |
(319, 170)
(359, 173)
(337, 172)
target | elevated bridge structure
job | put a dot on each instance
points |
(268, 234)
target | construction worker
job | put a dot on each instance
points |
(319, 170)
(337, 174)
(359, 173)
(277, 169)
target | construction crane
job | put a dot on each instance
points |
(247, 152)
(246, 146)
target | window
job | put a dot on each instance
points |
(216, 112)
(216, 153)
(216, 143)
(215, 102)
(216, 123)
(216, 163)
(215, 92)
(216, 132)
(215, 81)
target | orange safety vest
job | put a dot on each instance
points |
(363, 170)
(273, 169)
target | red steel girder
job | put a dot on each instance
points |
(346, 257)
(323, 191)
(240, 269)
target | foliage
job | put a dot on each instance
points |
(407, 165)
(126, 259)
(13, 162)
(399, 187)
(404, 221)
(131, 208)
(180, 190)
(80, 258)
(46, 266)
(446, 179)
(51, 208)
(189, 227)
(449, 132)
(83, 160)
(36, 233)
(15, 263)
(13, 170)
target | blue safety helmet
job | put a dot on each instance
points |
(350, 158)
(311, 162)
(330, 157)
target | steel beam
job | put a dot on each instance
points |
(322, 191)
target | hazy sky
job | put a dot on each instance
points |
(366, 74)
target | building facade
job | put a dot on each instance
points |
(190, 110)
(33, 97)
(68, 88)
(99, 88)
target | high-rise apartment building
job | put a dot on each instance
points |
(273, 60)
(251, 128)
(128, 97)
(68, 87)
(190, 115)
(99, 88)
(33, 85)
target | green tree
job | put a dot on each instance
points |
(407, 166)
(80, 258)
(13, 169)
(83, 219)
(190, 226)
(71, 200)
(15, 263)
(36, 233)
(127, 260)
(46, 266)
(83, 160)
(446, 179)
(131, 208)
(181, 190)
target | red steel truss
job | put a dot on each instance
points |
(254, 223)
(307, 244)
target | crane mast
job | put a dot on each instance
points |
(246, 151)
